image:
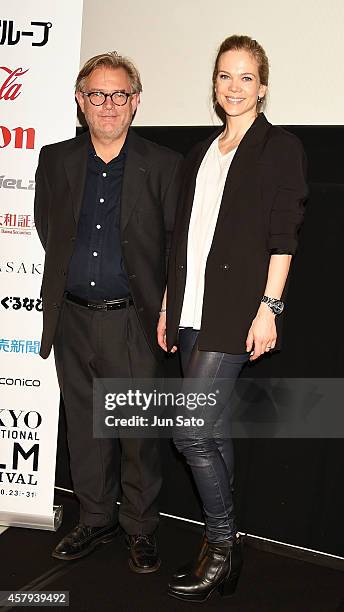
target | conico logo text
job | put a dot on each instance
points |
(20, 382)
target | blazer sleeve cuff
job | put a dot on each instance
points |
(281, 244)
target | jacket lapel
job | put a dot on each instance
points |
(246, 155)
(191, 168)
(75, 163)
(135, 174)
(240, 166)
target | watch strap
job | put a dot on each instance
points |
(276, 306)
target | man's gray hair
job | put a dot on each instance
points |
(110, 60)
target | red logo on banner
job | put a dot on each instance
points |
(9, 87)
(14, 223)
(6, 137)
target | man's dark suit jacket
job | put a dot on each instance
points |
(149, 197)
(261, 211)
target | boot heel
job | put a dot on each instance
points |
(228, 586)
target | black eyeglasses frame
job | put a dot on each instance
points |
(107, 95)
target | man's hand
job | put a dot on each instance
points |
(262, 334)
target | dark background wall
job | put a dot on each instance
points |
(288, 490)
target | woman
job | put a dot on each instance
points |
(235, 234)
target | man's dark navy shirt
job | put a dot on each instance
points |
(96, 269)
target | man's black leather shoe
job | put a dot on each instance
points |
(144, 557)
(82, 540)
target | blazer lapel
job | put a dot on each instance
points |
(191, 169)
(245, 156)
(240, 166)
(135, 174)
(75, 163)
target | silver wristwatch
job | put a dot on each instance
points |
(276, 306)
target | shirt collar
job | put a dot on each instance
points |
(92, 155)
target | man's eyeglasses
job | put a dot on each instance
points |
(97, 98)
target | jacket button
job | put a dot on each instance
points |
(132, 276)
(181, 267)
(72, 238)
(224, 267)
(124, 242)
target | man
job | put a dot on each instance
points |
(104, 207)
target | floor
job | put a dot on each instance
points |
(103, 581)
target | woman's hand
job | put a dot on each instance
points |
(161, 333)
(262, 334)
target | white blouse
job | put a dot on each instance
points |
(210, 183)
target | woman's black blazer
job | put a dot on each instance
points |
(261, 210)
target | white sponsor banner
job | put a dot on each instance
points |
(39, 59)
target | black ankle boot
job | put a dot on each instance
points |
(219, 569)
(189, 567)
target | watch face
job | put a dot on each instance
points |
(278, 307)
